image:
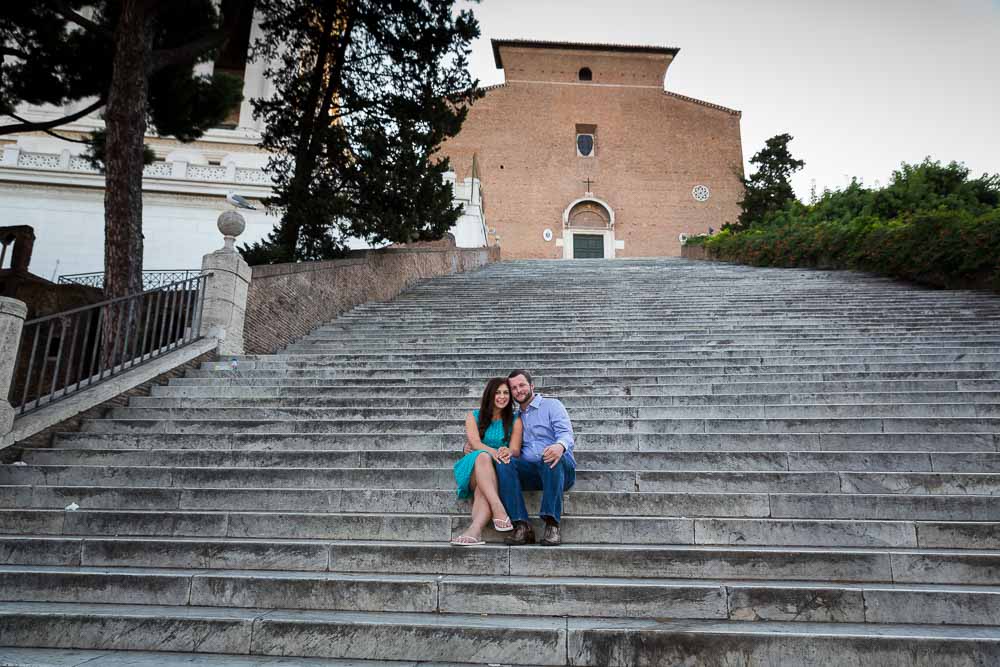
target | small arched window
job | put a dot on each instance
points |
(586, 74)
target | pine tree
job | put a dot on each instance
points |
(769, 189)
(365, 93)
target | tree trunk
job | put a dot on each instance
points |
(125, 119)
(320, 87)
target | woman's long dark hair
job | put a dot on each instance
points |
(486, 409)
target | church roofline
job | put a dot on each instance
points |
(484, 89)
(703, 103)
(577, 46)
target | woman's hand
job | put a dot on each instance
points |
(502, 455)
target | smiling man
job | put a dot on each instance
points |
(546, 463)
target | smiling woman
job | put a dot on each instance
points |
(492, 435)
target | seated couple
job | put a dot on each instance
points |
(507, 453)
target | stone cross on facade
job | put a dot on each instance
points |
(588, 181)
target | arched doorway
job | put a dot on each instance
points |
(588, 229)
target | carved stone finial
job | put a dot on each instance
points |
(231, 224)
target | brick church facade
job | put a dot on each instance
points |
(581, 152)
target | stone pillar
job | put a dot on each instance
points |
(226, 289)
(12, 314)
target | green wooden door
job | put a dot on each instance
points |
(588, 246)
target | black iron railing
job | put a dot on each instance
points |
(63, 353)
(150, 279)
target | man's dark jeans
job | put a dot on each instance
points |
(518, 476)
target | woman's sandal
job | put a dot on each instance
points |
(466, 541)
(503, 525)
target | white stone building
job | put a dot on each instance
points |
(45, 183)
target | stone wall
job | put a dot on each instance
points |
(695, 252)
(287, 301)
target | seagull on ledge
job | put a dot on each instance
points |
(239, 201)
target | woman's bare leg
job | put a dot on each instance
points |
(481, 513)
(486, 482)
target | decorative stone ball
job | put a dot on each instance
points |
(231, 223)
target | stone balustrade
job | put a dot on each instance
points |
(178, 170)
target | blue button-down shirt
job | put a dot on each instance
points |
(545, 423)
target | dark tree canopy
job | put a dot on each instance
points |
(365, 93)
(769, 189)
(59, 56)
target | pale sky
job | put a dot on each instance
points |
(860, 85)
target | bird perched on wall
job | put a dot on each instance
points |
(239, 201)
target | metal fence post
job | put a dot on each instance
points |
(12, 314)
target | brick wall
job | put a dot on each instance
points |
(44, 438)
(287, 301)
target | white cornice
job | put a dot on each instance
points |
(46, 177)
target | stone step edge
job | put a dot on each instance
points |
(739, 597)
(885, 497)
(333, 575)
(654, 475)
(404, 452)
(12, 656)
(503, 548)
(465, 407)
(49, 612)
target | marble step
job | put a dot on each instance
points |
(121, 518)
(455, 416)
(916, 441)
(802, 505)
(758, 563)
(588, 479)
(398, 426)
(305, 350)
(790, 601)
(357, 395)
(667, 368)
(414, 346)
(511, 640)
(58, 657)
(439, 401)
(678, 461)
(605, 361)
(546, 383)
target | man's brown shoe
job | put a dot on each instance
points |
(551, 538)
(523, 534)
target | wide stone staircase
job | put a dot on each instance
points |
(776, 467)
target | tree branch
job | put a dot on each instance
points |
(64, 10)
(17, 53)
(51, 133)
(189, 52)
(65, 138)
(49, 124)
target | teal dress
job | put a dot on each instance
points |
(494, 437)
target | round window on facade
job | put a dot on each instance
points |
(586, 74)
(700, 193)
(585, 145)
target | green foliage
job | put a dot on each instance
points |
(769, 189)
(97, 149)
(700, 239)
(931, 224)
(362, 105)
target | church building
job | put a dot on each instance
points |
(583, 153)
